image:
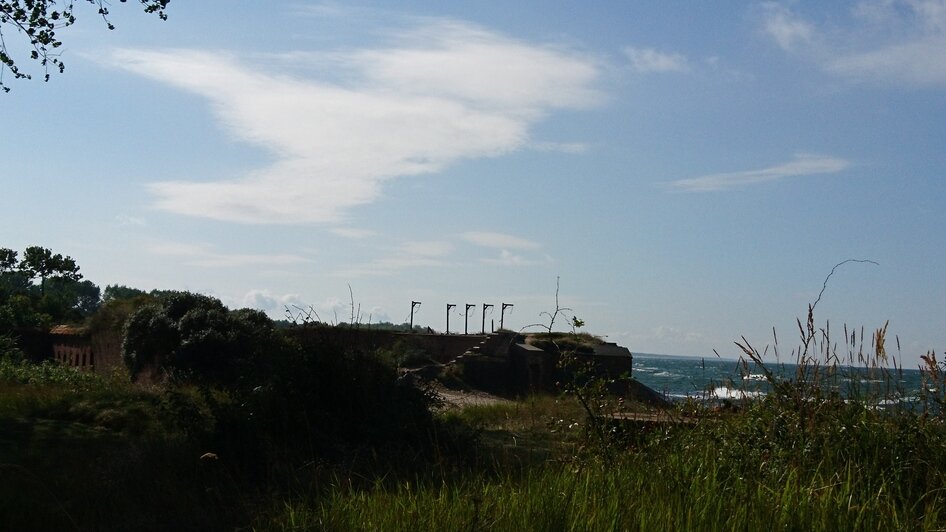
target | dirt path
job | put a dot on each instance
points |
(464, 398)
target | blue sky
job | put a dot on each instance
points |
(690, 171)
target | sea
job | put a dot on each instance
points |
(716, 379)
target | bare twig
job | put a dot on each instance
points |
(836, 266)
(559, 310)
(351, 296)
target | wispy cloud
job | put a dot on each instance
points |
(508, 258)
(498, 240)
(353, 232)
(445, 92)
(787, 29)
(894, 42)
(919, 62)
(913, 54)
(802, 165)
(206, 256)
(651, 60)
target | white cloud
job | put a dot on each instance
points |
(206, 256)
(353, 232)
(507, 258)
(787, 29)
(268, 302)
(461, 62)
(651, 60)
(447, 92)
(498, 240)
(802, 165)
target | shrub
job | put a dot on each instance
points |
(196, 338)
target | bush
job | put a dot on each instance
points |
(196, 338)
(9, 351)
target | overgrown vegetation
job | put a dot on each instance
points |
(254, 426)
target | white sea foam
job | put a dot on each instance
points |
(724, 392)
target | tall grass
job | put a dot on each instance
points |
(762, 469)
(671, 491)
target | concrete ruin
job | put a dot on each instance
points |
(504, 363)
(509, 364)
(73, 346)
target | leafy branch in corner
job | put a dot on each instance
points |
(40, 21)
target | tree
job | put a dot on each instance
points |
(40, 20)
(40, 262)
(115, 292)
(70, 300)
(88, 298)
(7, 260)
(12, 281)
(61, 295)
